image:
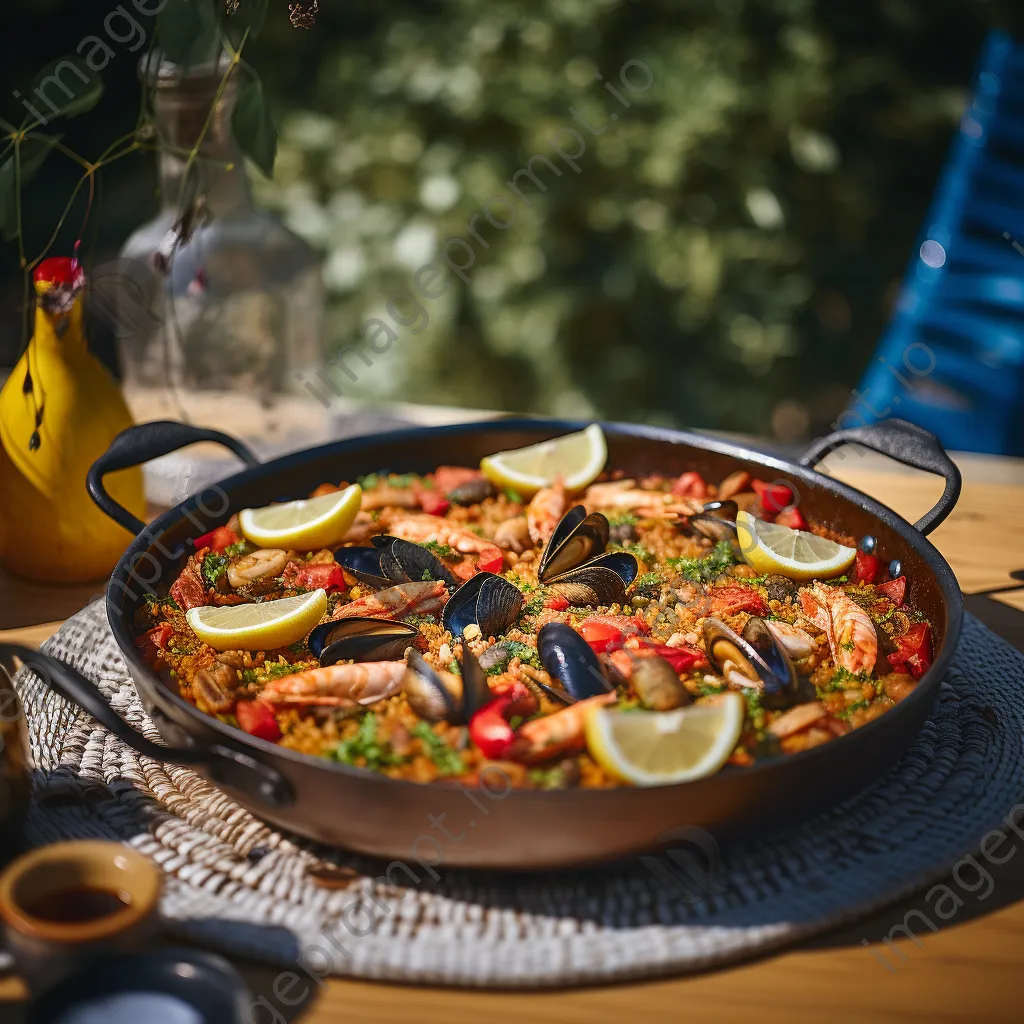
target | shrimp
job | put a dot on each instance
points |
(553, 735)
(625, 496)
(386, 496)
(546, 508)
(796, 719)
(850, 631)
(798, 643)
(257, 565)
(422, 598)
(339, 686)
(426, 529)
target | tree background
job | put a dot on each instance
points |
(726, 257)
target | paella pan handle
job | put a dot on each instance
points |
(905, 443)
(139, 444)
(227, 766)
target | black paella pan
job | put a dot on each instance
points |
(502, 828)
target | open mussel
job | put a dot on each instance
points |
(570, 659)
(753, 658)
(717, 522)
(600, 582)
(437, 695)
(486, 600)
(577, 538)
(361, 639)
(392, 560)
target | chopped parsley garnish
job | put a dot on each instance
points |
(426, 575)
(857, 705)
(843, 679)
(534, 606)
(445, 759)
(366, 747)
(524, 652)
(271, 670)
(637, 549)
(234, 549)
(709, 689)
(513, 495)
(369, 481)
(753, 698)
(625, 519)
(704, 570)
(649, 579)
(441, 550)
(214, 566)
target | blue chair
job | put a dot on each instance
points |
(952, 357)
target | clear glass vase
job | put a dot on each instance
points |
(237, 304)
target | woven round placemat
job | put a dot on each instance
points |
(241, 887)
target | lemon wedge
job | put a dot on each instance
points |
(657, 748)
(576, 458)
(263, 626)
(304, 524)
(797, 554)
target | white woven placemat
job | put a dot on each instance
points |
(243, 888)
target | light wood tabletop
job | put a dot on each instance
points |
(967, 970)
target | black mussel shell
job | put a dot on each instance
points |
(472, 492)
(401, 561)
(361, 639)
(601, 581)
(444, 696)
(727, 510)
(717, 522)
(571, 660)
(577, 538)
(485, 599)
(475, 691)
(364, 564)
(756, 654)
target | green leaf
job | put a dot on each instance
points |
(250, 15)
(252, 124)
(66, 87)
(33, 151)
(188, 32)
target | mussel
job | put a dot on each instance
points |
(779, 588)
(437, 695)
(485, 599)
(361, 639)
(472, 492)
(570, 659)
(754, 658)
(576, 566)
(392, 560)
(657, 684)
(717, 521)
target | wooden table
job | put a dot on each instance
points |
(967, 970)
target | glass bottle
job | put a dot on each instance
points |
(234, 302)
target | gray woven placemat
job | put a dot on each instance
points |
(238, 886)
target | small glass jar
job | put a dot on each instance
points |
(237, 304)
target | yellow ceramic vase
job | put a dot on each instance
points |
(59, 411)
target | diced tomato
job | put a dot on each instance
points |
(865, 568)
(447, 478)
(599, 635)
(490, 728)
(913, 650)
(314, 576)
(895, 589)
(256, 717)
(791, 517)
(154, 640)
(681, 658)
(774, 496)
(556, 603)
(690, 485)
(729, 600)
(433, 502)
(491, 562)
(217, 540)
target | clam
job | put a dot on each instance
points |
(570, 659)
(717, 522)
(361, 639)
(753, 659)
(392, 560)
(440, 696)
(486, 600)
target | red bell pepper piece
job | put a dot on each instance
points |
(729, 600)
(690, 485)
(490, 727)
(154, 640)
(447, 478)
(865, 568)
(774, 496)
(314, 576)
(490, 563)
(600, 635)
(681, 658)
(218, 539)
(434, 502)
(913, 650)
(556, 603)
(895, 589)
(256, 717)
(791, 517)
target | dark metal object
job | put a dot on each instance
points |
(344, 806)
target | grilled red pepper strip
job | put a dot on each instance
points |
(217, 540)
(865, 568)
(556, 603)
(256, 717)
(913, 650)
(490, 728)
(600, 635)
(434, 503)
(895, 589)
(492, 564)
(681, 658)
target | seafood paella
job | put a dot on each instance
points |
(568, 627)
